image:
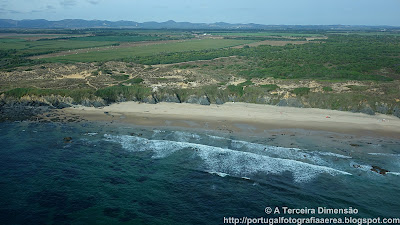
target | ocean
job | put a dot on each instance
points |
(103, 173)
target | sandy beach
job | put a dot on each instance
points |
(240, 117)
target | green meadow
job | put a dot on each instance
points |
(147, 50)
(26, 48)
(261, 34)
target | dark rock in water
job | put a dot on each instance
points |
(379, 170)
(291, 102)
(67, 139)
(202, 100)
(134, 134)
(16, 111)
(170, 98)
(367, 110)
(355, 145)
(150, 100)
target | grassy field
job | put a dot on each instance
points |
(261, 34)
(25, 47)
(120, 53)
(119, 38)
(367, 33)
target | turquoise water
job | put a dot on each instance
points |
(120, 174)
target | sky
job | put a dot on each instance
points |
(269, 12)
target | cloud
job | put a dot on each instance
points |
(68, 3)
(93, 2)
(10, 11)
(50, 7)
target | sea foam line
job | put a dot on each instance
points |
(227, 161)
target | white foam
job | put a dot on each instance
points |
(394, 173)
(228, 161)
(217, 137)
(334, 154)
(185, 136)
(246, 163)
(160, 148)
(281, 152)
(218, 173)
(360, 166)
(385, 154)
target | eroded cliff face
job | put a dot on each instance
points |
(28, 107)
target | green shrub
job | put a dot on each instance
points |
(246, 83)
(301, 91)
(327, 88)
(119, 77)
(78, 94)
(134, 92)
(269, 87)
(237, 90)
(357, 88)
(136, 80)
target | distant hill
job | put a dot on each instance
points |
(170, 24)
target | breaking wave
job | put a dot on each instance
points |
(224, 161)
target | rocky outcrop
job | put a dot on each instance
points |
(219, 101)
(367, 110)
(151, 99)
(291, 102)
(382, 108)
(17, 111)
(379, 170)
(396, 111)
(263, 100)
(202, 100)
(232, 98)
(170, 98)
(96, 102)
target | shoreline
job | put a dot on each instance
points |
(239, 117)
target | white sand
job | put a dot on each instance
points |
(261, 116)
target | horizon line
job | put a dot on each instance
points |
(170, 20)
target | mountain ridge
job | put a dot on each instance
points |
(170, 24)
